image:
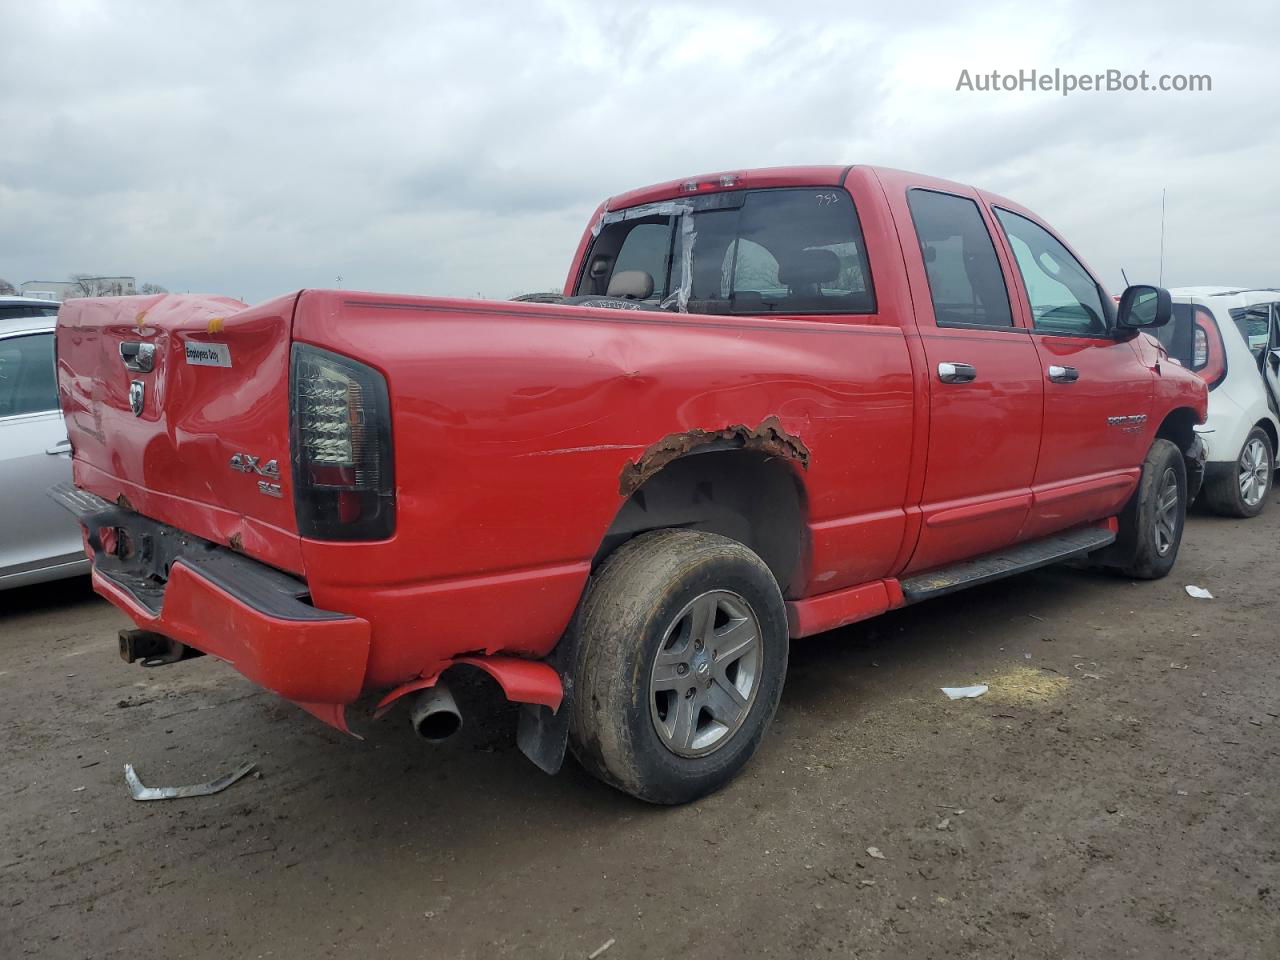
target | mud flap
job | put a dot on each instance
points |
(543, 736)
(1195, 455)
(541, 733)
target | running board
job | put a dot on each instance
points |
(1005, 563)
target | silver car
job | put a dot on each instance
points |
(39, 540)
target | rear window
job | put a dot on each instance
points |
(785, 251)
(19, 311)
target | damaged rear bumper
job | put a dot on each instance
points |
(203, 595)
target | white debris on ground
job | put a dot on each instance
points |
(964, 693)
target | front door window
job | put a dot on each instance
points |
(1065, 299)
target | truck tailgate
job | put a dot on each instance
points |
(178, 407)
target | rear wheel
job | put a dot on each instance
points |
(681, 656)
(1241, 491)
(1152, 523)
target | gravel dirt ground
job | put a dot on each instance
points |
(1113, 795)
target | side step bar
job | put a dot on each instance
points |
(1005, 563)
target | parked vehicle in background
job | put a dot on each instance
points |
(1231, 338)
(38, 542)
(769, 404)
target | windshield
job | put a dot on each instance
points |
(786, 251)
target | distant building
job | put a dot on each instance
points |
(84, 287)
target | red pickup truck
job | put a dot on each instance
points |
(770, 403)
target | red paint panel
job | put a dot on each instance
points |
(172, 462)
(1095, 497)
(523, 681)
(510, 447)
(983, 439)
(978, 509)
(839, 608)
(1078, 441)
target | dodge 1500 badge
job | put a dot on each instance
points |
(769, 403)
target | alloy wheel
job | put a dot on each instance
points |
(1167, 512)
(706, 674)
(1255, 472)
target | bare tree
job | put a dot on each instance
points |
(7, 289)
(152, 288)
(81, 285)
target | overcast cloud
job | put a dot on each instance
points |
(255, 148)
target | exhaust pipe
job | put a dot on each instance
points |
(434, 714)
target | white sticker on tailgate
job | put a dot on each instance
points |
(208, 354)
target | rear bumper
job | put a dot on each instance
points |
(225, 604)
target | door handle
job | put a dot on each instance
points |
(957, 372)
(1063, 374)
(138, 356)
(62, 446)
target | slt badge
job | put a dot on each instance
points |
(246, 463)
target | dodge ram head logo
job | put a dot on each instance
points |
(137, 396)
(246, 463)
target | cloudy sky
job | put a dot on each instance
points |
(457, 149)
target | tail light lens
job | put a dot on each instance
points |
(343, 477)
(1208, 355)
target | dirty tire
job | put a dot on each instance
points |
(638, 595)
(1222, 493)
(1155, 549)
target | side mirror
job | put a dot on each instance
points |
(1144, 306)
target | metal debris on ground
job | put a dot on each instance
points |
(1200, 593)
(217, 785)
(962, 693)
(601, 949)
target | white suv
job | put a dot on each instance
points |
(1231, 338)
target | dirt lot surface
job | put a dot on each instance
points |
(1113, 795)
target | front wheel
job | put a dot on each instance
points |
(681, 656)
(1152, 523)
(1240, 489)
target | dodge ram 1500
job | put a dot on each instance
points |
(769, 403)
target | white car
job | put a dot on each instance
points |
(40, 541)
(1231, 337)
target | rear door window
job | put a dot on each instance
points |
(28, 383)
(1254, 324)
(965, 280)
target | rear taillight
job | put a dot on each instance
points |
(343, 480)
(1208, 356)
